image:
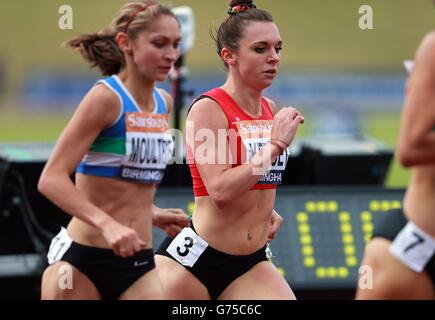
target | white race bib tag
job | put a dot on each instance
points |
(413, 247)
(59, 245)
(187, 247)
(148, 147)
(255, 134)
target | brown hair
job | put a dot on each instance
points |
(101, 50)
(231, 29)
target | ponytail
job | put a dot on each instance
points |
(99, 50)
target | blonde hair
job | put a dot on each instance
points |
(101, 50)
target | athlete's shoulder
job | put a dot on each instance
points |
(425, 56)
(204, 102)
(102, 104)
(429, 39)
(102, 95)
(427, 46)
(206, 109)
(272, 105)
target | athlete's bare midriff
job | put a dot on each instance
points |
(241, 227)
(128, 203)
(419, 202)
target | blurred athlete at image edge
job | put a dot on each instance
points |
(402, 250)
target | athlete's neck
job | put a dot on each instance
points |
(141, 89)
(247, 98)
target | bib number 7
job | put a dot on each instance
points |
(413, 247)
(419, 240)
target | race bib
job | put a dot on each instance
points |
(187, 247)
(59, 245)
(255, 134)
(148, 147)
(413, 247)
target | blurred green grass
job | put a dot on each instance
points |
(316, 33)
(16, 126)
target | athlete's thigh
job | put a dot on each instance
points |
(178, 283)
(391, 279)
(262, 282)
(62, 281)
(147, 287)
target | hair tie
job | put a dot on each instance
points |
(240, 8)
(146, 5)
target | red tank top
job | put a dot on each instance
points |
(251, 134)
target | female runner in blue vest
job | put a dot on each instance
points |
(117, 145)
(237, 149)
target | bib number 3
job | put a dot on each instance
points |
(187, 247)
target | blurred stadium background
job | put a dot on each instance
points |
(330, 68)
(342, 78)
